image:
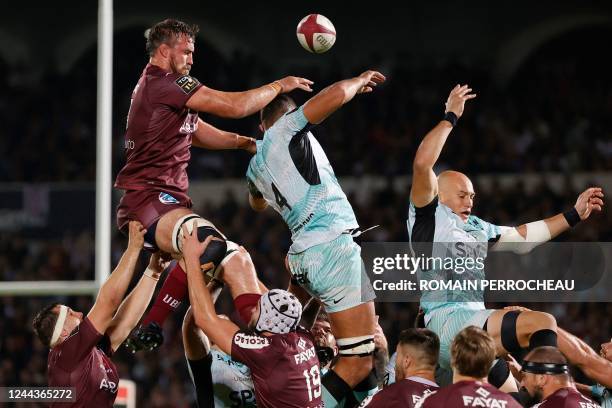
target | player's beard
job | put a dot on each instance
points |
(528, 400)
(184, 70)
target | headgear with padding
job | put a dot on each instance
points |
(280, 312)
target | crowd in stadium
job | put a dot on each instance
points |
(551, 119)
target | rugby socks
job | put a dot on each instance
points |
(170, 297)
(245, 305)
(335, 389)
(545, 337)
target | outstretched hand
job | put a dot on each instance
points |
(136, 235)
(457, 98)
(157, 263)
(192, 246)
(590, 200)
(370, 80)
(290, 83)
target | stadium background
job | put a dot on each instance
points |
(538, 133)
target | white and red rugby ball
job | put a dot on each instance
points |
(316, 33)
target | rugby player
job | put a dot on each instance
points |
(81, 348)
(280, 354)
(219, 380)
(547, 379)
(416, 360)
(162, 125)
(441, 212)
(291, 173)
(472, 355)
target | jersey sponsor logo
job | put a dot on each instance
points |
(470, 401)
(166, 198)
(303, 223)
(172, 302)
(187, 83)
(300, 276)
(190, 125)
(588, 405)
(107, 385)
(242, 398)
(302, 344)
(417, 398)
(248, 341)
(304, 356)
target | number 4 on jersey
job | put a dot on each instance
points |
(280, 200)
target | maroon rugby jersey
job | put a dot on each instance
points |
(158, 133)
(83, 361)
(284, 368)
(468, 394)
(567, 398)
(404, 393)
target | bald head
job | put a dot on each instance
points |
(456, 192)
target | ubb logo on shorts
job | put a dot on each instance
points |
(166, 198)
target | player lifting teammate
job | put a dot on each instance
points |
(162, 125)
(291, 173)
(81, 348)
(440, 212)
(280, 354)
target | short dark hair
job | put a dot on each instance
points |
(166, 32)
(424, 340)
(277, 108)
(323, 316)
(44, 323)
(472, 352)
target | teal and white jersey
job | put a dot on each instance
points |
(219, 378)
(232, 383)
(292, 173)
(436, 232)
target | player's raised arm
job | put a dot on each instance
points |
(525, 237)
(209, 137)
(237, 105)
(135, 304)
(424, 182)
(330, 99)
(113, 290)
(220, 331)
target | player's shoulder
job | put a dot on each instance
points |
(425, 210)
(158, 79)
(567, 397)
(291, 123)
